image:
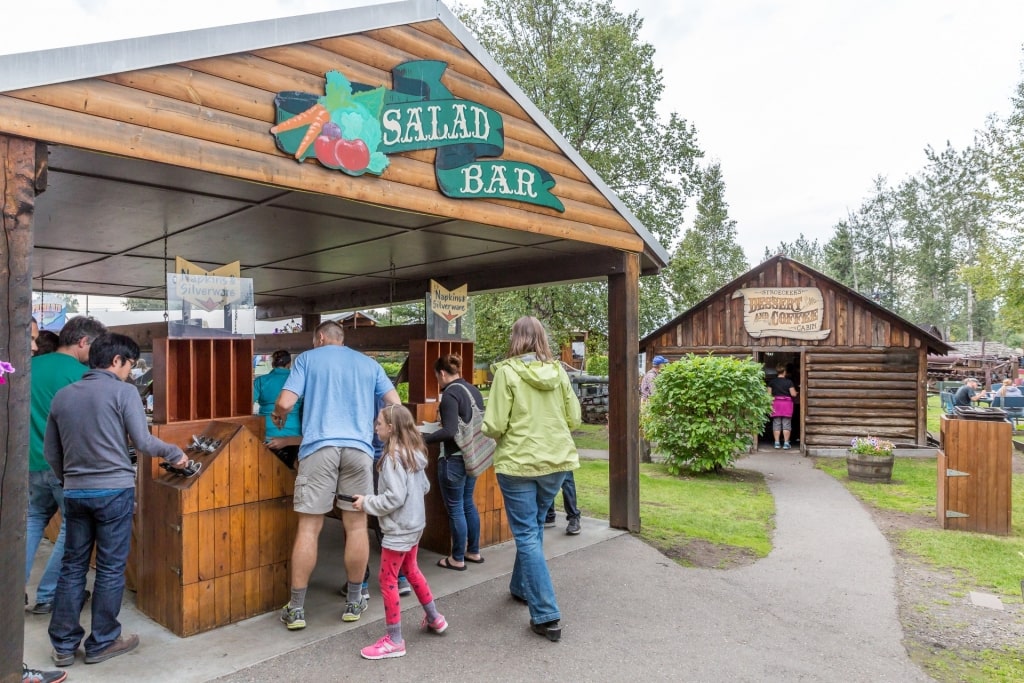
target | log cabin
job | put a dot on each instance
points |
(117, 157)
(860, 369)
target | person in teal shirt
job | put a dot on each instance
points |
(51, 372)
(283, 440)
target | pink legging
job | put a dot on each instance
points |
(393, 563)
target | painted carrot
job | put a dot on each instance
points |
(315, 117)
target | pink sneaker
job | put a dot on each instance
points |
(438, 626)
(384, 649)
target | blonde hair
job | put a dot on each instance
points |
(404, 441)
(529, 336)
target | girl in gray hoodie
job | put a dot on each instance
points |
(399, 508)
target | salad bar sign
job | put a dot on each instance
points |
(352, 127)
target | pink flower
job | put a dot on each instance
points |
(5, 367)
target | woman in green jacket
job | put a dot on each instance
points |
(531, 413)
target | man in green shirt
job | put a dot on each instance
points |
(50, 373)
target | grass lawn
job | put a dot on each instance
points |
(934, 410)
(591, 437)
(731, 511)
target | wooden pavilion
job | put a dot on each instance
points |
(860, 368)
(115, 157)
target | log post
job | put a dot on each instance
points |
(21, 166)
(624, 395)
(310, 321)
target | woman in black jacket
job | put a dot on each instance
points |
(456, 486)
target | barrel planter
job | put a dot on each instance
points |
(869, 468)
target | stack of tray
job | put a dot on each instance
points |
(972, 413)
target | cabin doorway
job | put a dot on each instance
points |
(771, 360)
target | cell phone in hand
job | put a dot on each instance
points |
(347, 498)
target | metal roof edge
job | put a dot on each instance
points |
(655, 251)
(63, 64)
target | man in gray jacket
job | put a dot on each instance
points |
(87, 447)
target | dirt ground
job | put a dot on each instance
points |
(934, 604)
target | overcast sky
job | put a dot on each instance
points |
(803, 102)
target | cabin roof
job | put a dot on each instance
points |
(933, 343)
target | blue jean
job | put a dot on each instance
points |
(463, 517)
(568, 499)
(527, 500)
(45, 497)
(107, 522)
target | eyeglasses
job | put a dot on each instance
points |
(132, 362)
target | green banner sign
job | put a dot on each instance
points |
(424, 125)
(353, 127)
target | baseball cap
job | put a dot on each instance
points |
(659, 360)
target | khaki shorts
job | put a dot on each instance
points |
(328, 471)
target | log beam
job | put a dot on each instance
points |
(395, 338)
(624, 404)
(21, 175)
(559, 269)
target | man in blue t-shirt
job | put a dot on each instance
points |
(339, 388)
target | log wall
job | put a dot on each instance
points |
(215, 114)
(851, 393)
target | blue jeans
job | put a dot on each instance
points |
(463, 518)
(107, 522)
(568, 499)
(45, 497)
(527, 500)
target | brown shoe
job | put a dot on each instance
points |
(118, 647)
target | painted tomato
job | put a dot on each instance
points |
(326, 151)
(352, 155)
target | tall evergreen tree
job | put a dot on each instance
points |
(1004, 143)
(808, 252)
(708, 256)
(958, 202)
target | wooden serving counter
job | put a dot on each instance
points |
(487, 496)
(215, 548)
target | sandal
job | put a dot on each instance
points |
(479, 560)
(444, 564)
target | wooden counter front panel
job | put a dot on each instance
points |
(487, 496)
(215, 547)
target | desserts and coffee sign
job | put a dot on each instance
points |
(791, 312)
(352, 128)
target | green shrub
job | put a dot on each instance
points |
(403, 391)
(391, 369)
(705, 410)
(598, 366)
